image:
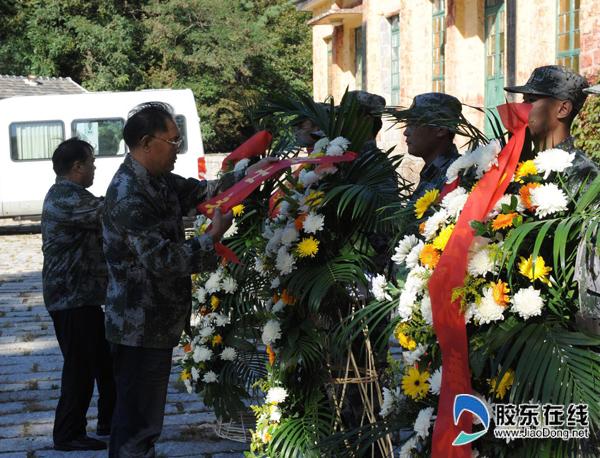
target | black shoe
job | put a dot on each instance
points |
(81, 443)
(103, 430)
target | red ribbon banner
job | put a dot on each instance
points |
(254, 146)
(448, 320)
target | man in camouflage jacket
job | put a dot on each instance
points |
(557, 94)
(149, 266)
(74, 284)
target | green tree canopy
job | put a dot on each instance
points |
(229, 53)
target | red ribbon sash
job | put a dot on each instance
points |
(448, 321)
(254, 146)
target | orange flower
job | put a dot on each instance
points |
(422, 228)
(275, 298)
(299, 221)
(286, 298)
(429, 256)
(525, 193)
(217, 340)
(500, 292)
(271, 354)
(501, 221)
(187, 348)
(204, 311)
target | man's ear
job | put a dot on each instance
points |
(145, 140)
(564, 109)
(441, 132)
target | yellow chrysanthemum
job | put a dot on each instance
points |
(441, 240)
(308, 246)
(429, 256)
(319, 154)
(185, 375)
(525, 169)
(238, 210)
(535, 271)
(414, 383)
(423, 203)
(214, 302)
(502, 221)
(499, 389)
(314, 198)
(500, 292)
(217, 340)
(404, 340)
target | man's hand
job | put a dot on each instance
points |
(260, 164)
(220, 224)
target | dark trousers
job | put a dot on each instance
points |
(86, 354)
(142, 377)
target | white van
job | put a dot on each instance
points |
(31, 127)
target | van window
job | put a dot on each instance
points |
(36, 140)
(105, 135)
(180, 121)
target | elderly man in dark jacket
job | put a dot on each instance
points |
(74, 284)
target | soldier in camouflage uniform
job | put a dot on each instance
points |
(149, 266)
(74, 284)
(557, 94)
(431, 123)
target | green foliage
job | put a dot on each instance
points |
(227, 52)
(586, 128)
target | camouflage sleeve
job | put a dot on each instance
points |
(82, 210)
(191, 191)
(142, 230)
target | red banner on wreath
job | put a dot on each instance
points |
(254, 146)
(450, 272)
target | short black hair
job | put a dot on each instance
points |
(147, 118)
(69, 152)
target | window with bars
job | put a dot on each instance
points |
(395, 60)
(439, 41)
(567, 37)
(359, 64)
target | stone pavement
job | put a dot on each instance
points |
(30, 365)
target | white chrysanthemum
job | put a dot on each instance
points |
(206, 332)
(195, 374)
(412, 259)
(271, 332)
(549, 199)
(378, 285)
(210, 377)
(275, 414)
(242, 164)
(278, 306)
(408, 297)
(326, 170)
(411, 357)
(426, 312)
(321, 145)
(284, 207)
(390, 399)
(284, 261)
(481, 261)
(188, 386)
(462, 163)
(337, 146)
(275, 241)
(229, 285)
(276, 395)
(553, 160)
(408, 447)
(486, 157)
(202, 353)
(221, 320)
(435, 381)
(527, 302)
(506, 199)
(201, 295)
(404, 247)
(213, 284)
(432, 225)
(259, 266)
(308, 178)
(488, 309)
(313, 223)
(289, 235)
(275, 283)
(228, 354)
(423, 422)
(417, 279)
(195, 320)
(454, 201)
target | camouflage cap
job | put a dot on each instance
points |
(595, 90)
(433, 108)
(374, 104)
(557, 82)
